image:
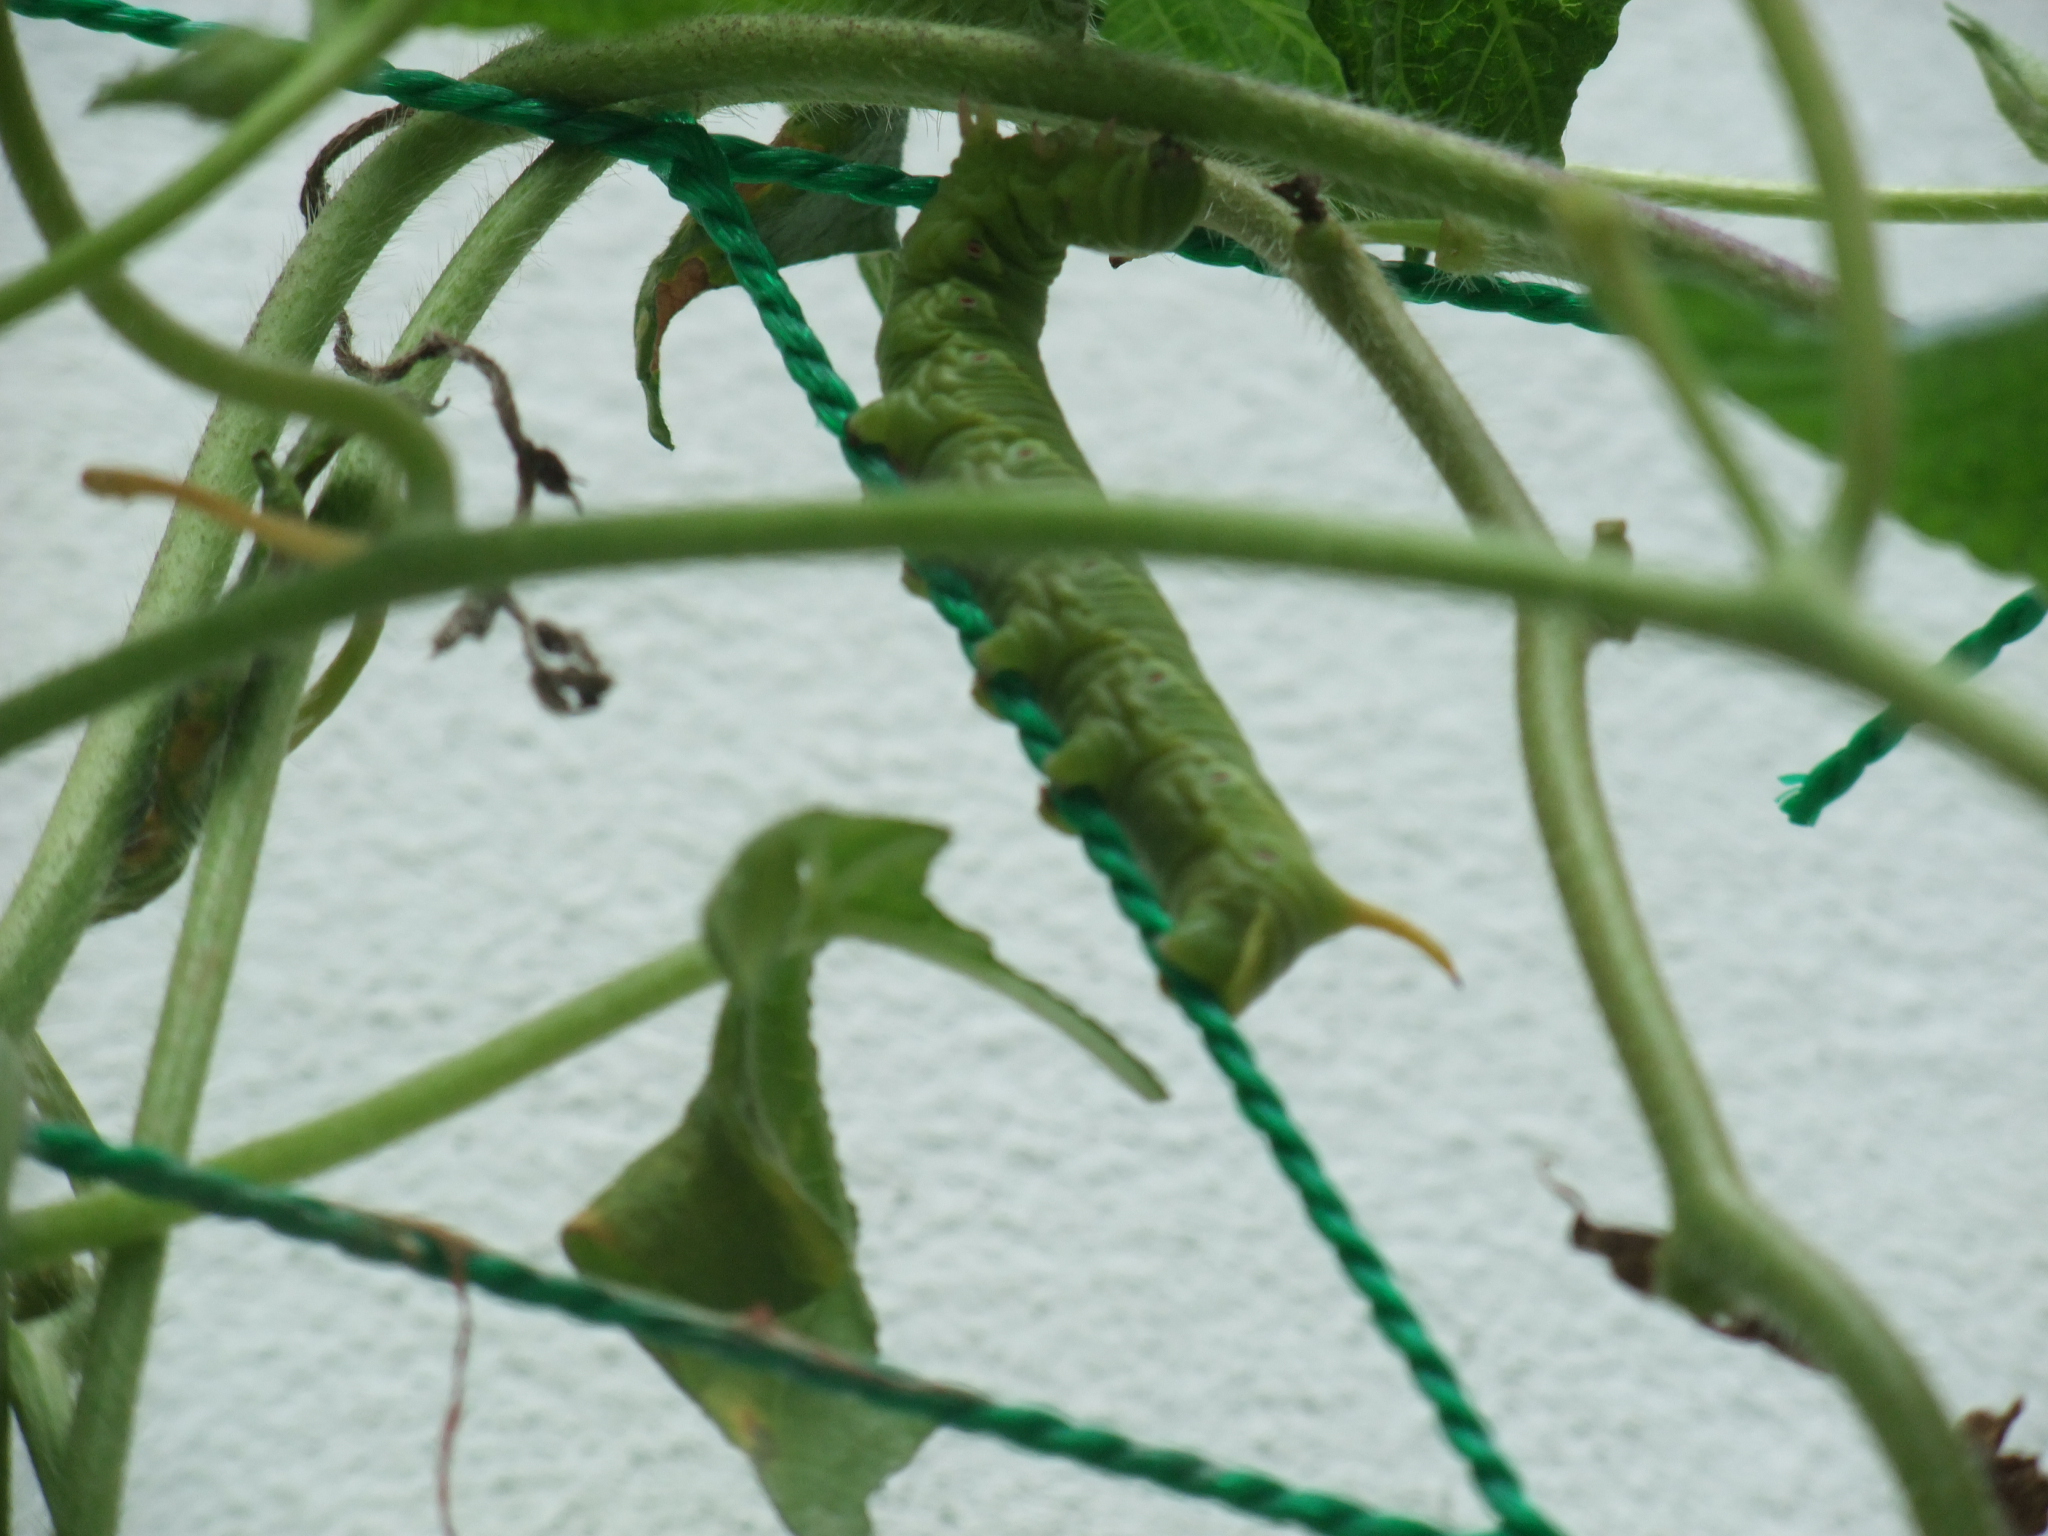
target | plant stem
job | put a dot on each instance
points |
(327, 66)
(42, 1407)
(1727, 1249)
(494, 249)
(190, 356)
(470, 283)
(1789, 615)
(95, 1457)
(1776, 199)
(1863, 358)
(58, 892)
(1677, 1105)
(49, 1090)
(941, 518)
(13, 1099)
(1353, 295)
(1629, 294)
(333, 685)
(1236, 203)
(108, 1218)
(1421, 169)
(1732, 1245)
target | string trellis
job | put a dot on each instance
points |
(699, 169)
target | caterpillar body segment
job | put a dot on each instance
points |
(967, 400)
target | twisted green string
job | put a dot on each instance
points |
(1832, 777)
(698, 172)
(1258, 1100)
(672, 1325)
(651, 141)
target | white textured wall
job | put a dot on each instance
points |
(446, 859)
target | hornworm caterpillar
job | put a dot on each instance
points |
(967, 399)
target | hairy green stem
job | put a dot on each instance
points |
(1353, 295)
(41, 1398)
(1734, 1245)
(814, 58)
(1629, 295)
(185, 353)
(1865, 368)
(121, 1324)
(414, 565)
(13, 1101)
(1237, 203)
(1774, 199)
(1672, 1092)
(1727, 1252)
(465, 290)
(327, 67)
(333, 685)
(474, 277)
(1790, 616)
(107, 1218)
(61, 887)
(96, 1455)
(48, 1088)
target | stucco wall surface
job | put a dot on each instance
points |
(446, 859)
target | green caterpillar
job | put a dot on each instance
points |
(967, 399)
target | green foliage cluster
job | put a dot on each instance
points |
(744, 1206)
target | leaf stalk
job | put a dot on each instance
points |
(1865, 367)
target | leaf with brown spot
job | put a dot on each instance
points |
(797, 227)
(743, 1206)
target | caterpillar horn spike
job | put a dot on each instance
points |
(1364, 914)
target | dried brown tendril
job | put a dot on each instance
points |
(565, 671)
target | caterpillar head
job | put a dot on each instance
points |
(1131, 199)
(1110, 193)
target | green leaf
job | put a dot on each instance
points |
(743, 1205)
(589, 18)
(215, 77)
(1273, 39)
(869, 884)
(797, 226)
(2018, 80)
(1505, 70)
(1970, 470)
(820, 1455)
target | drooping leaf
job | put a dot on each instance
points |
(215, 77)
(819, 1455)
(1505, 70)
(798, 227)
(592, 18)
(743, 1205)
(2018, 80)
(1273, 39)
(868, 883)
(1971, 468)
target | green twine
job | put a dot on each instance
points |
(1828, 780)
(654, 141)
(699, 171)
(442, 1255)
(166, 29)
(1544, 303)
(1257, 1098)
